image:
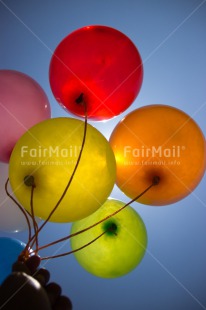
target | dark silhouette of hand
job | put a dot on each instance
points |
(28, 288)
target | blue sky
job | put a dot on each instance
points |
(170, 36)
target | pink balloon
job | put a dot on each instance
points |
(23, 103)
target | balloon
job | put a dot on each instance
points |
(119, 250)
(101, 63)
(10, 249)
(23, 103)
(11, 217)
(48, 152)
(162, 141)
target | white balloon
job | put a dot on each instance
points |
(11, 217)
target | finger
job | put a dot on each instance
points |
(33, 263)
(19, 266)
(63, 303)
(53, 291)
(43, 276)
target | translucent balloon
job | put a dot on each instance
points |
(119, 250)
(103, 64)
(49, 152)
(11, 218)
(162, 141)
(23, 103)
(10, 249)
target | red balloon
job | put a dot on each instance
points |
(100, 66)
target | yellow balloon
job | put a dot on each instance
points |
(48, 152)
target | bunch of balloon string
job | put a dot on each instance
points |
(63, 169)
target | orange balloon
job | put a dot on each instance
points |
(162, 141)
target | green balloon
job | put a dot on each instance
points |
(119, 250)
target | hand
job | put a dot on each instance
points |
(27, 287)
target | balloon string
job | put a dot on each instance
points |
(25, 213)
(33, 219)
(78, 249)
(155, 182)
(71, 178)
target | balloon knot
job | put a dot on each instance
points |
(29, 181)
(80, 99)
(156, 180)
